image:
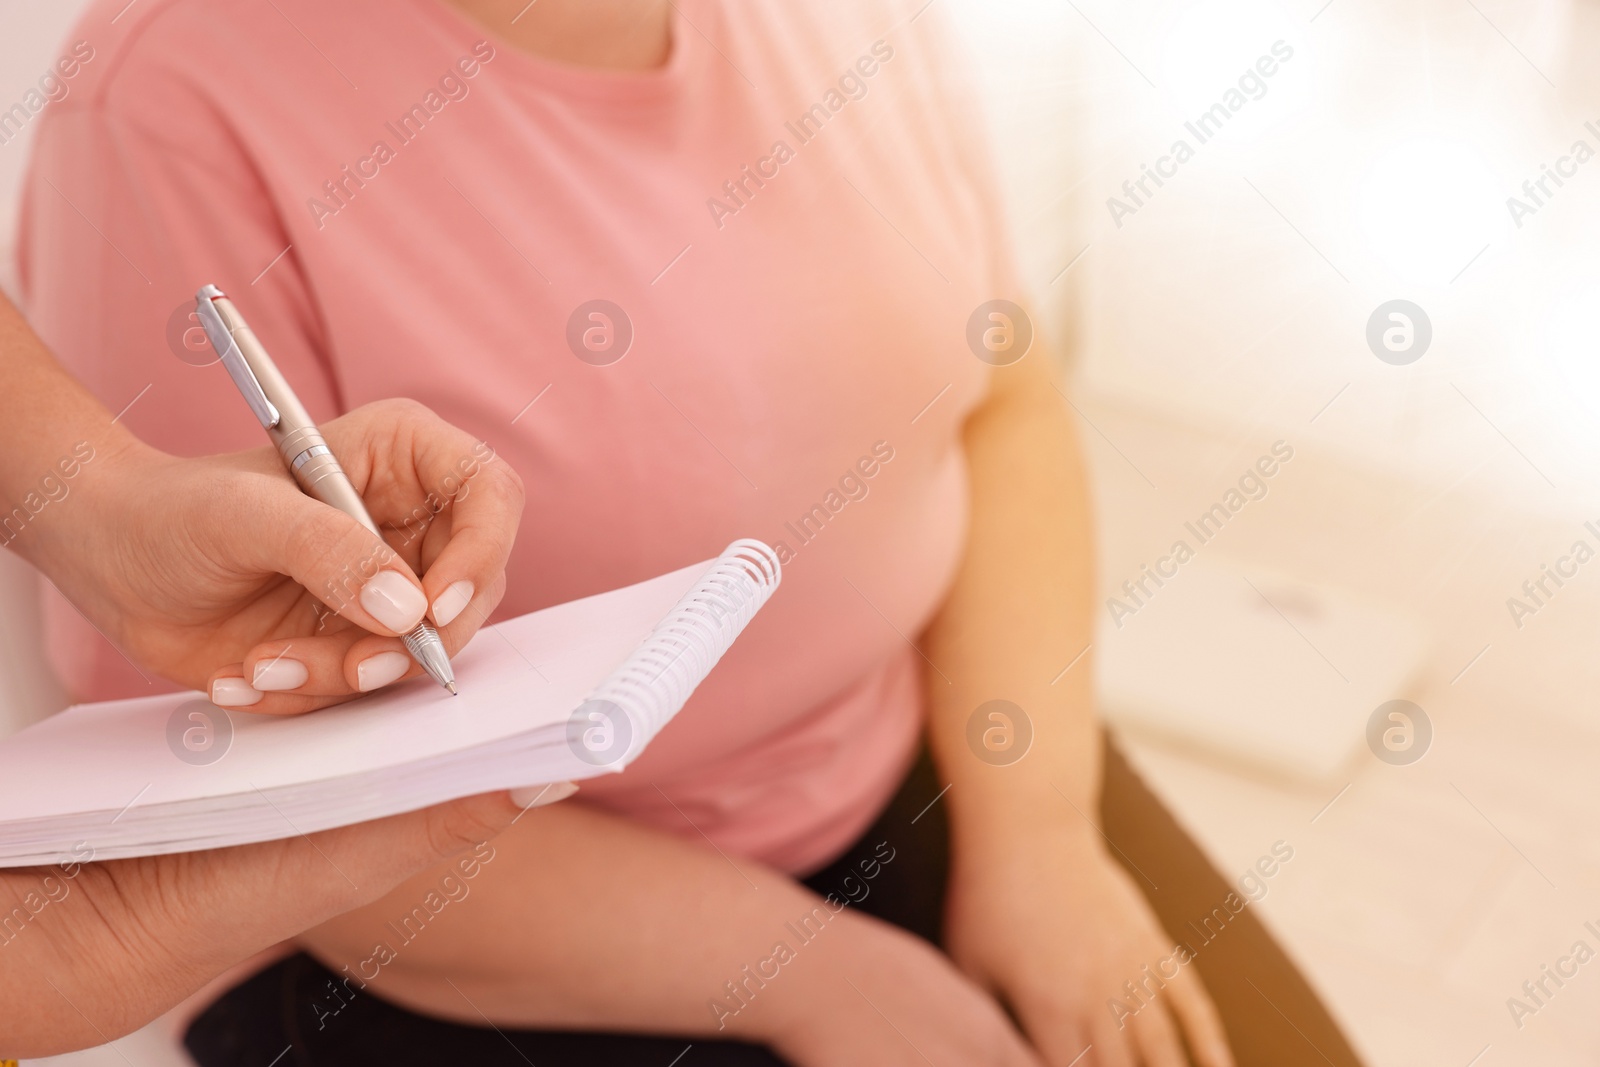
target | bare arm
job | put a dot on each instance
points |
(587, 921)
(190, 559)
(90, 952)
(1038, 911)
(44, 412)
(1029, 562)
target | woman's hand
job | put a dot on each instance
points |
(192, 563)
(879, 997)
(1057, 928)
(92, 951)
(221, 574)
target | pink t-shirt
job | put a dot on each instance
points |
(793, 214)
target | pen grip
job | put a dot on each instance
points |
(314, 466)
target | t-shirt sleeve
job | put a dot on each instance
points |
(134, 200)
(137, 195)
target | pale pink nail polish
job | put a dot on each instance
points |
(377, 671)
(537, 796)
(273, 675)
(234, 693)
(450, 603)
(393, 601)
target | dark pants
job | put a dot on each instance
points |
(1272, 1017)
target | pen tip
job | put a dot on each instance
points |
(452, 687)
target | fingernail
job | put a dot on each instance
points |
(537, 796)
(452, 600)
(276, 674)
(233, 693)
(393, 601)
(375, 672)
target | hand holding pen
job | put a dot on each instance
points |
(384, 594)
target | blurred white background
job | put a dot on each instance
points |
(1230, 311)
(29, 35)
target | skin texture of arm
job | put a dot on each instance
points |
(186, 563)
(93, 952)
(584, 920)
(1039, 913)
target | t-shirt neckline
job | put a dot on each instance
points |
(570, 79)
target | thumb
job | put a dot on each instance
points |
(341, 563)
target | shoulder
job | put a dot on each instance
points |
(149, 63)
(131, 49)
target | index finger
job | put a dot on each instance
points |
(484, 501)
(423, 470)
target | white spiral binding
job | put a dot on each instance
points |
(657, 679)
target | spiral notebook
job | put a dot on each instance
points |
(570, 692)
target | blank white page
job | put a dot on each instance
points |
(513, 677)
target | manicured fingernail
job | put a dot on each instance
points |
(277, 674)
(537, 796)
(234, 693)
(375, 672)
(450, 602)
(393, 601)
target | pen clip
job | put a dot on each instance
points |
(233, 360)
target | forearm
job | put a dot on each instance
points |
(77, 970)
(1017, 616)
(89, 952)
(583, 920)
(1039, 911)
(57, 441)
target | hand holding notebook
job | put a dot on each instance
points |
(570, 692)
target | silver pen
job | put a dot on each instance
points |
(300, 444)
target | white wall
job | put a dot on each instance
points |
(31, 32)
(1377, 166)
(30, 35)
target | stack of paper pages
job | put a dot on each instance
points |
(570, 692)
